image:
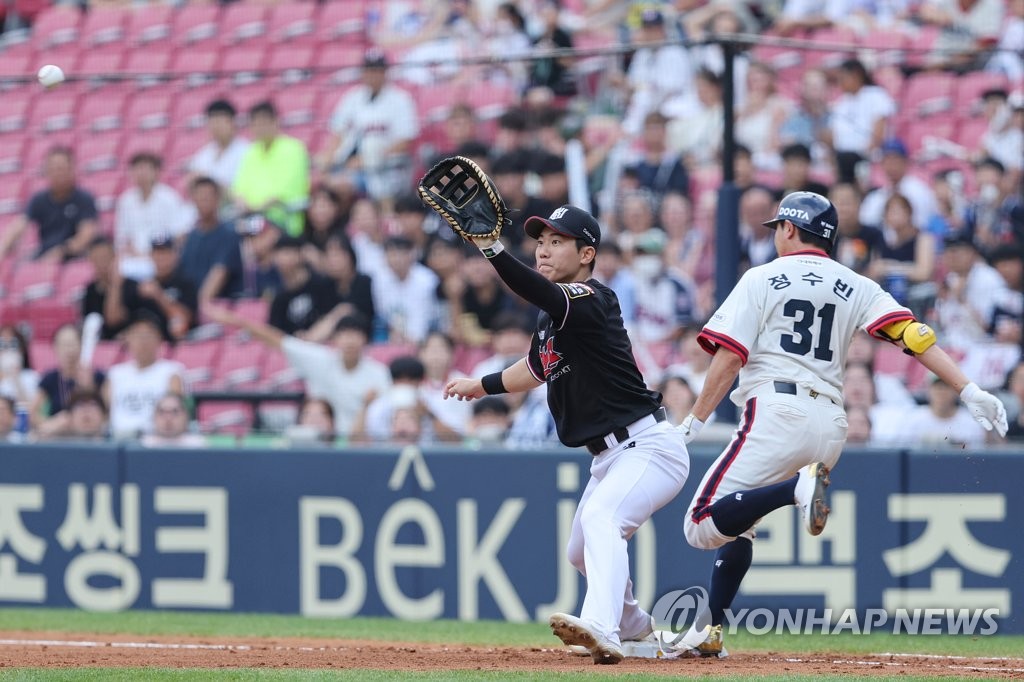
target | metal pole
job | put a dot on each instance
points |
(727, 241)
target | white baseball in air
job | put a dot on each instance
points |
(50, 75)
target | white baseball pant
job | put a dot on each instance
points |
(777, 436)
(628, 483)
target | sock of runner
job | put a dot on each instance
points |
(731, 564)
(735, 513)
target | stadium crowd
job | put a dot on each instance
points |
(280, 255)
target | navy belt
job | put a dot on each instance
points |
(789, 388)
(598, 445)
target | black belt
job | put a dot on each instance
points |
(598, 445)
(790, 388)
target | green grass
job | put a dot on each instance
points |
(162, 675)
(485, 633)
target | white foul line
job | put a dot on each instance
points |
(122, 645)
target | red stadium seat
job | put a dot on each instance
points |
(14, 108)
(340, 64)
(291, 63)
(43, 318)
(231, 417)
(830, 54)
(969, 88)
(891, 79)
(923, 39)
(199, 359)
(107, 354)
(107, 185)
(150, 23)
(196, 65)
(58, 25)
(246, 96)
(385, 353)
(340, 19)
(243, 63)
(153, 141)
(101, 65)
(104, 24)
(297, 105)
(278, 375)
(253, 309)
(55, 111)
(927, 94)
(184, 145)
(12, 198)
(148, 63)
(42, 354)
(491, 100)
(195, 23)
(11, 147)
(99, 152)
(240, 365)
(242, 21)
(884, 48)
(921, 131)
(33, 281)
(102, 110)
(970, 133)
(292, 19)
(150, 111)
(189, 111)
(15, 66)
(74, 278)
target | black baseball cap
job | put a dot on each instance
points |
(959, 238)
(375, 58)
(287, 241)
(569, 221)
(162, 240)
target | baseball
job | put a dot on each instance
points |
(50, 75)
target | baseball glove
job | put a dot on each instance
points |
(461, 193)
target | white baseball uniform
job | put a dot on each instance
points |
(791, 321)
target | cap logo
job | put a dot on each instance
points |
(587, 232)
(558, 213)
(794, 213)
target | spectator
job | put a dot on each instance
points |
(351, 292)
(553, 74)
(509, 42)
(665, 301)
(966, 306)
(221, 157)
(857, 243)
(170, 425)
(18, 380)
(554, 182)
(304, 296)
(611, 269)
(490, 422)
(475, 298)
(659, 170)
(411, 222)
(1009, 54)
(994, 216)
(967, 28)
(510, 341)
(809, 123)
(760, 119)
(858, 426)
(366, 230)
(211, 257)
(942, 423)
(796, 172)
(57, 385)
(512, 134)
(660, 76)
(146, 211)
(509, 175)
(8, 416)
(859, 392)
(859, 119)
(1004, 138)
(757, 205)
(105, 277)
(1015, 385)
(636, 219)
(448, 419)
(402, 415)
(342, 374)
(808, 15)
(686, 243)
(167, 294)
(325, 218)
(907, 255)
(134, 387)
(460, 132)
(1008, 306)
(273, 178)
(315, 424)
(948, 186)
(895, 164)
(890, 389)
(404, 294)
(64, 213)
(372, 132)
(87, 416)
(677, 397)
(697, 133)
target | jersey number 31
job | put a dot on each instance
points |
(803, 314)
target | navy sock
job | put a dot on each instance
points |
(731, 564)
(735, 513)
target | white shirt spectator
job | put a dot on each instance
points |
(408, 305)
(189, 441)
(134, 393)
(923, 428)
(1009, 57)
(918, 193)
(24, 387)
(373, 124)
(964, 323)
(658, 76)
(327, 378)
(662, 305)
(854, 116)
(138, 221)
(220, 164)
(833, 10)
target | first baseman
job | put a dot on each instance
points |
(599, 400)
(785, 330)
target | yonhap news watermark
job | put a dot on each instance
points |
(678, 610)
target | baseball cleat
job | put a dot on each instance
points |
(810, 496)
(575, 632)
(712, 646)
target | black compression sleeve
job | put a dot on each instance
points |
(531, 285)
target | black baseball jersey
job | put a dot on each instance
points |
(586, 359)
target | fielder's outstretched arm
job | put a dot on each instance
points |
(514, 379)
(527, 282)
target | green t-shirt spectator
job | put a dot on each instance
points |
(278, 172)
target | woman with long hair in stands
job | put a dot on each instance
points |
(18, 381)
(55, 388)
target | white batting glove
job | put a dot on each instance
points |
(984, 407)
(690, 427)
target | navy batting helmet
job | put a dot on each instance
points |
(808, 211)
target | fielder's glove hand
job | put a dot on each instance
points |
(460, 192)
(690, 427)
(984, 407)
